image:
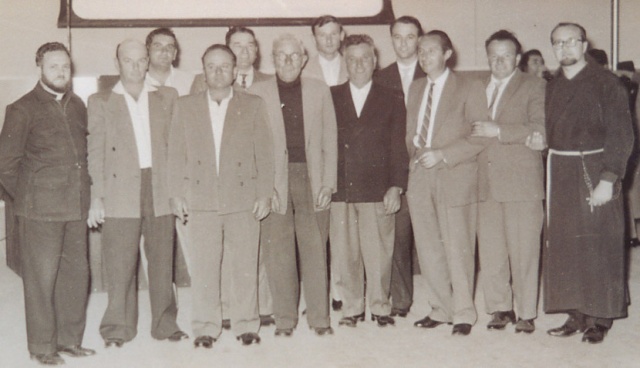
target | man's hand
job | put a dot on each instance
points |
(391, 200)
(275, 202)
(535, 141)
(96, 213)
(487, 129)
(601, 194)
(179, 208)
(261, 208)
(324, 198)
(430, 159)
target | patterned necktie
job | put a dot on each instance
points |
(243, 84)
(494, 96)
(424, 131)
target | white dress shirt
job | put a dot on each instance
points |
(330, 69)
(435, 100)
(248, 79)
(406, 76)
(359, 96)
(217, 114)
(139, 113)
(492, 86)
(178, 79)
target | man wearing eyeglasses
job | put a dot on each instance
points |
(590, 137)
(164, 52)
(303, 125)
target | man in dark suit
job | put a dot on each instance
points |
(43, 168)
(511, 188)
(442, 189)
(127, 154)
(405, 32)
(221, 159)
(371, 177)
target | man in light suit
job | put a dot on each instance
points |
(221, 159)
(372, 175)
(242, 41)
(303, 125)
(511, 191)
(405, 32)
(442, 189)
(328, 65)
(127, 154)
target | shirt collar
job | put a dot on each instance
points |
(503, 82)
(441, 79)
(154, 82)
(403, 67)
(323, 61)
(56, 95)
(361, 91)
(119, 88)
(224, 101)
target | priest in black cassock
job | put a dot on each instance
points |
(590, 137)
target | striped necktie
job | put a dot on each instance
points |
(424, 131)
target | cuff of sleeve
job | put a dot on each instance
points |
(608, 176)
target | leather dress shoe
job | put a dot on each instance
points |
(525, 325)
(48, 359)
(594, 335)
(267, 320)
(634, 242)
(427, 322)
(226, 324)
(177, 336)
(564, 331)
(351, 321)
(336, 305)
(383, 321)
(321, 331)
(500, 320)
(399, 312)
(461, 329)
(113, 341)
(204, 341)
(284, 332)
(76, 351)
(249, 338)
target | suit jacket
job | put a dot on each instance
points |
(200, 83)
(508, 170)
(313, 70)
(390, 76)
(43, 156)
(458, 108)
(371, 156)
(113, 153)
(246, 155)
(319, 133)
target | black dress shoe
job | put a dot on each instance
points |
(351, 321)
(399, 312)
(383, 320)
(594, 335)
(336, 305)
(226, 324)
(525, 325)
(501, 319)
(634, 242)
(249, 338)
(113, 341)
(48, 359)
(321, 331)
(177, 336)
(564, 331)
(204, 341)
(461, 329)
(76, 351)
(284, 332)
(267, 320)
(427, 322)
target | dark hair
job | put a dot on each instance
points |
(407, 19)
(50, 47)
(524, 60)
(357, 39)
(322, 20)
(165, 32)
(599, 56)
(583, 32)
(219, 46)
(445, 41)
(504, 35)
(237, 29)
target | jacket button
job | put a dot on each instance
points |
(114, 175)
(197, 181)
(346, 146)
(239, 164)
(241, 184)
(198, 162)
(113, 148)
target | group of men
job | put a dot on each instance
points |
(250, 168)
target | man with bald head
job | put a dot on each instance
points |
(303, 125)
(127, 150)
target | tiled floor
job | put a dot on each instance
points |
(364, 346)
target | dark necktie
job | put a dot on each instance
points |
(243, 84)
(422, 141)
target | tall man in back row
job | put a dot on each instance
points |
(590, 137)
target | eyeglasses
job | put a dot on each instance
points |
(282, 57)
(571, 42)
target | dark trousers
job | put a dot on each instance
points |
(582, 321)
(402, 266)
(120, 251)
(278, 240)
(55, 273)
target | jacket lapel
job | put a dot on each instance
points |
(307, 101)
(508, 93)
(447, 99)
(120, 111)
